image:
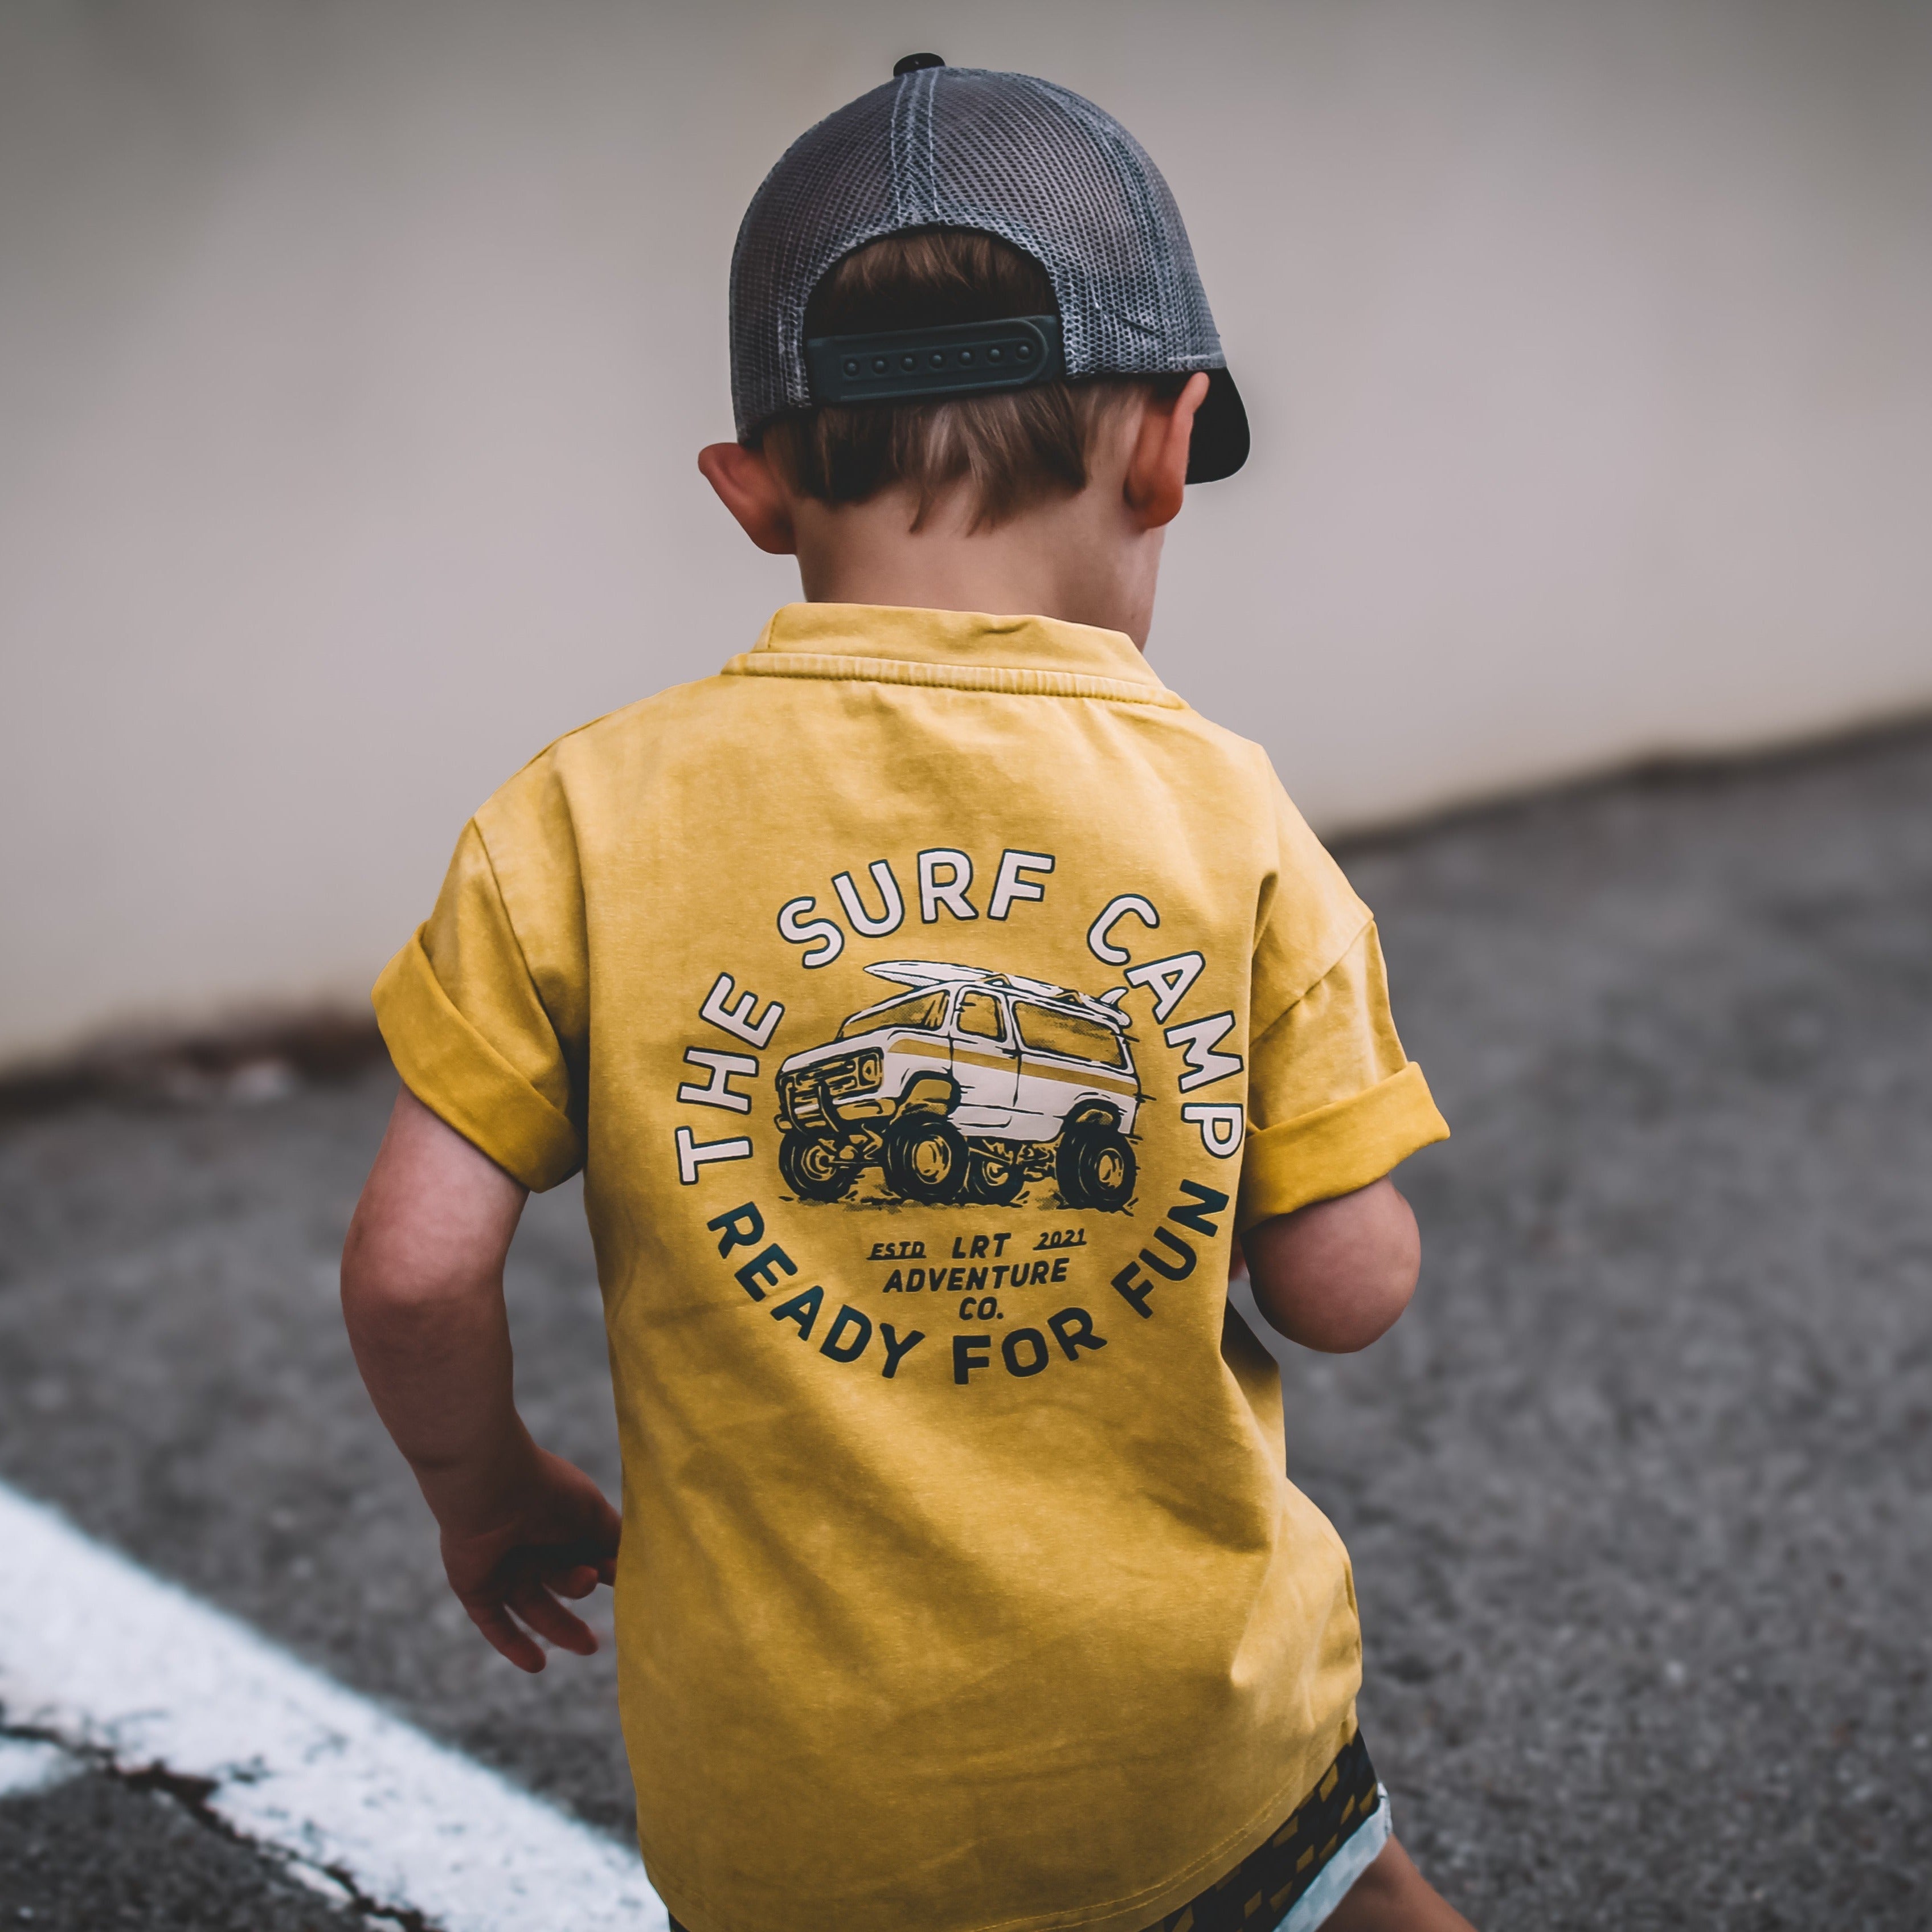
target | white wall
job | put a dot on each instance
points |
(352, 357)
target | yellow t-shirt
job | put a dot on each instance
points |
(927, 1000)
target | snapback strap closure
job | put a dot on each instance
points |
(966, 358)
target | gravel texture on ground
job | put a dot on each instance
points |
(96, 1855)
(1640, 1492)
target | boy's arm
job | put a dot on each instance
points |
(1336, 1274)
(422, 1294)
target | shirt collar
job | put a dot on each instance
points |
(965, 639)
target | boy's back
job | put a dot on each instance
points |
(955, 1514)
(928, 999)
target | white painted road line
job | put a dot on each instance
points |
(29, 1766)
(95, 1651)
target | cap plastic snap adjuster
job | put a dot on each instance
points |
(957, 359)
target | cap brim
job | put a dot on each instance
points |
(1220, 443)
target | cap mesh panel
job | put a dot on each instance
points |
(963, 147)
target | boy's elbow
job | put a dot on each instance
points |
(428, 1239)
(392, 1287)
(1359, 1312)
(1336, 1275)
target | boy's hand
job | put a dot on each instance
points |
(554, 1536)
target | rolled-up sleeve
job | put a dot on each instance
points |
(470, 1035)
(1333, 1101)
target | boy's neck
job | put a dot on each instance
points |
(1080, 559)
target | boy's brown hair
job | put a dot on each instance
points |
(1013, 448)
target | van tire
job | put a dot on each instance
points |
(1095, 1166)
(925, 1158)
(812, 1169)
(996, 1180)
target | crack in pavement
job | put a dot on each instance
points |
(194, 1794)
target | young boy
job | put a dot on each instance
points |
(928, 999)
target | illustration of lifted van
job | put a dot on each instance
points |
(966, 1087)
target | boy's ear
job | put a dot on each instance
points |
(1156, 478)
(749, 488)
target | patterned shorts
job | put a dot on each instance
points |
(1293, 1881)
(1299, 1876)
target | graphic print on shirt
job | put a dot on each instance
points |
(999, 1121)
(966, 1085)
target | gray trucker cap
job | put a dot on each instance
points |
(945, 147)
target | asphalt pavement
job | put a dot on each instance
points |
(1640, 1492)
